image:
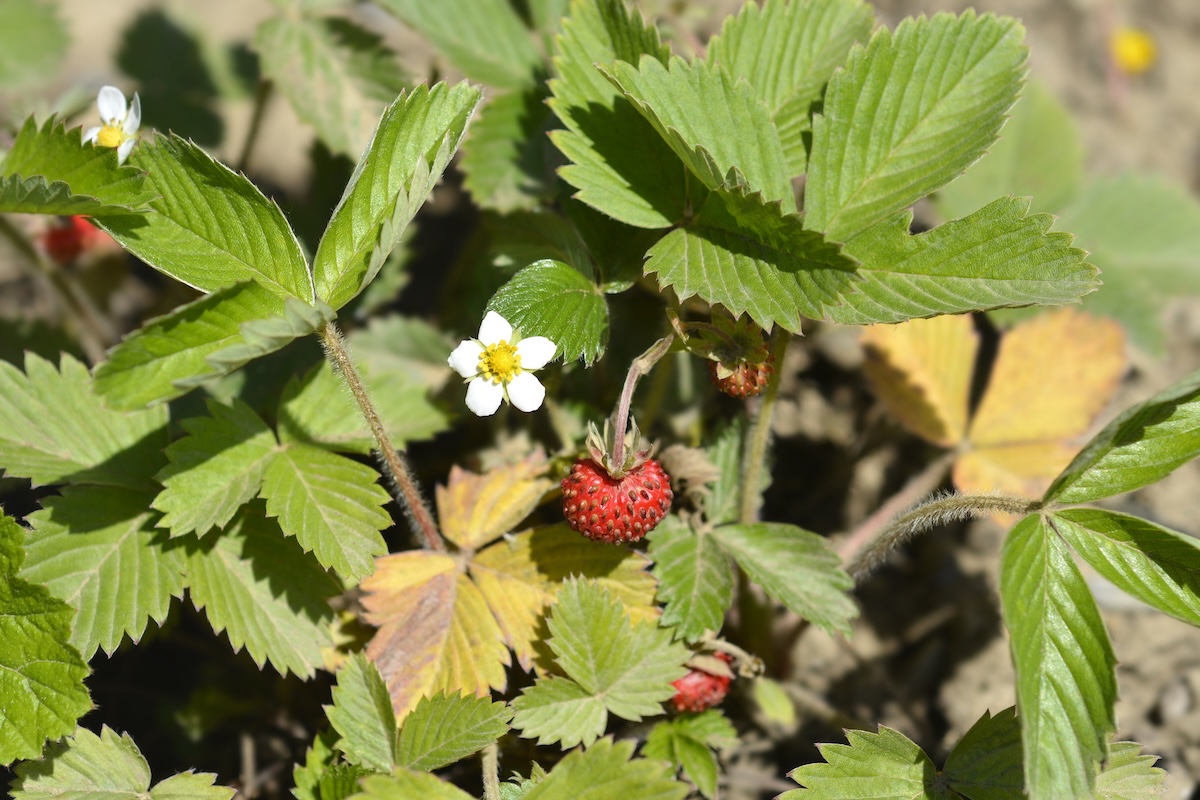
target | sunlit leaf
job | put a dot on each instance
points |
(695, 578)
(553, 299)
(886, 764)
(362, 714)
(449, 727)
(1129, 775)
(476, 509)
(608, 770)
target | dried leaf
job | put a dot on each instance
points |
(475, 509)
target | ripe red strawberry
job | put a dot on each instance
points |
(66, 241)
(742, 379)
(700, 690)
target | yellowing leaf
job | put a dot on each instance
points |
(475, 509)
(520, 577)
(1024, 470)
(435, 630)
(921, 370)
(1052, 375)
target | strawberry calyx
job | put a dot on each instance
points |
(602, 447)
(732, 344)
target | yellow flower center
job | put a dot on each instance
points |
(500, 362)
(111, 136)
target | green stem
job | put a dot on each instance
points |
(261, 95)
(402, 480)
(756, 445)
(491, 772)
(640, 366)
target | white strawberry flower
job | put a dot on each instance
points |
(121, 122)
(499, 366)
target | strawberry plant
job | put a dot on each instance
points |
(247, 469)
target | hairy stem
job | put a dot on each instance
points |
(401, 478)
(640, 366)
(491, 772)
(756, 445)
(928, 515)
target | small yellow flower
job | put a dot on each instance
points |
(499, 366)
(121, 122)
(1133, 51)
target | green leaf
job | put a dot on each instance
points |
(872, 766)
(413, 143)
(685, 742)
(362, 714)
(337, 76)
(215, 470)
(449, 727)
(787, 51)
(331, 504)
(557, 709)
(96, 549)
(986, 762)
(43, 436)
(1129, 775)
(752, 258)
(908, 114)
(504, 161)
(211, 228)
(1141, 446)
(998, 256)
(1066, 684)
(795, 567)
(483, 38)
(406, 785)
(712, 123)
(267, 595)
(323, 776)
(1040, 154)
(552, 299)
(725, 452)
(1144, 235)
(41, 675)
(1154, 564)
(605, 771)
(619, 164)
(49, 170)
(695, 578)
(33, 41)
(406, 345)
(86, 766)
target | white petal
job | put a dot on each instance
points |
(465, 358)
(526, 392)
(134, 119)
(483, 397)
(90, 135)
(125, 149)
(111, 102)
(535, 352)
(494, 329)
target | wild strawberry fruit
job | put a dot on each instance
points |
(66, 240)
(700, 690)
(614, 503)
(738, 359)
(742, 379)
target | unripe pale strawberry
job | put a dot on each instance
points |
(742, 379)
(699, 690)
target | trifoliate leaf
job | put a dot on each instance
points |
(49, 170)
(1154, 564)
(619, 164)
(713, 123)
(552, 299)
(436, 632)
(337, 76)
(910, 112)
(998, 256)
(873, 765)
(607, 770)
(752, 258)
(53, 429)
(483, 38)
(215, 470)
(33, 41)
(331, 504)
(986, 762)
(211, 227)
(794, 566)
(404, 784)
(1129, 775)
(362, 714)
(787, 51)
(1040, 154)
(449, 727)
(96, 549)
(110, 766)
(41, 675)
(520, 575)
(504, 163)
(411, 146)
(695, 578)
(685, 742)
(1066, 686)
(1143, 445)
(267, 595)
(477, 509)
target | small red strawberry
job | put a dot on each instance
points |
(700, 690)
(610, 503)
(738, 359)
(65, 241)
(742, 379)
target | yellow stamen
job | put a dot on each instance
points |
(111, 136)
(500, 362)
